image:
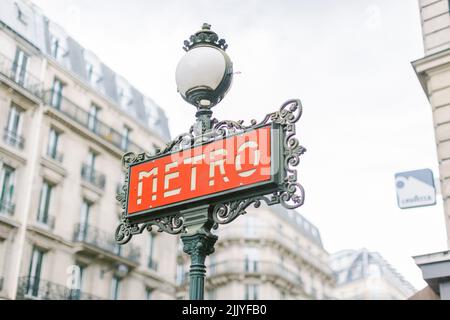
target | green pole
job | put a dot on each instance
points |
(198, 246)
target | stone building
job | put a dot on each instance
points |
(433, 71)
(66, 119)
(365, 275)
(269, 253)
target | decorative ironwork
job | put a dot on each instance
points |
(290, 193)
(104, 240)
(94, 177)
(83, 118)
(34, 288)
(205, 36)
(13, 138)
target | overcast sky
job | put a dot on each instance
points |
(365, 114)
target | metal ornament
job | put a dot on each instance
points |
(208, 38)
(290, 193)
(205, 37)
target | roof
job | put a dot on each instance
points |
(35, 28)
(300, 223)
(353, 265)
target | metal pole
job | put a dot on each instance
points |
(199, 241)
(198, 246)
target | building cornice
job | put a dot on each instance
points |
(430, 63)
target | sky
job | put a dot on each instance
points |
(365, 115)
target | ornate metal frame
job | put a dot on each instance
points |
(290, 193)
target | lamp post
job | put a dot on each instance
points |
(203, 76)
(175, 189)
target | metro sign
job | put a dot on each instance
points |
(212, 176)
(233, 166)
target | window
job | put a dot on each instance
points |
(251, 292)
(14, 127)
(2, 260)
(211, 294)
(54, 47)
(56, 93)
(148, 293)
(115, 288)
(150, 247)
(90, 72)
(7, 189)
(20, 14)
(251, 260)
(90, 161)
(212, 264)
(52, 147)
(34, 273)
(44, 203)
(92, 118)
(125, 138)
(84, 218)
(77, 284)
(180, 274)
(20, 67)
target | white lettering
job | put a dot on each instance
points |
(217, 163)
(168, 177)
(248, 144)
(194, 160)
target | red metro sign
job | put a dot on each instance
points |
(233, 166)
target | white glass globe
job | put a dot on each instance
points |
(200, 67)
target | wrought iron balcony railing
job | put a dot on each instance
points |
(38, 289)
(7, 208)
(13, 138)
(152, 264)
(92, 176)
(82, 117)
(48, 221)
(271, 234)
(105, 241)
(23, 78)
(266, 268)
(58, 157)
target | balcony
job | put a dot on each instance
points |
(98, 242)
(13, 139)
(33, 288)
(256, 268)
(7, 208)
(92, 176)
(99, 128)
(24, 79)
(152, 264)
(265, 233)
(56, 156)
(48, 221)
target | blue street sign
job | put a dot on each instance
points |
(415, 189)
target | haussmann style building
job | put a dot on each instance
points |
(433, 72)
(66, 119)
(268, 253)
(366, 275)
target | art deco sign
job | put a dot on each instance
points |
(228, 167)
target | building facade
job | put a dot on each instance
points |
(433, 71)
(66, 119)
(269, 253)
(365, 275)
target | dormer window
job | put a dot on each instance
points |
(54, 47)
(90, 72)
(20, 14)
